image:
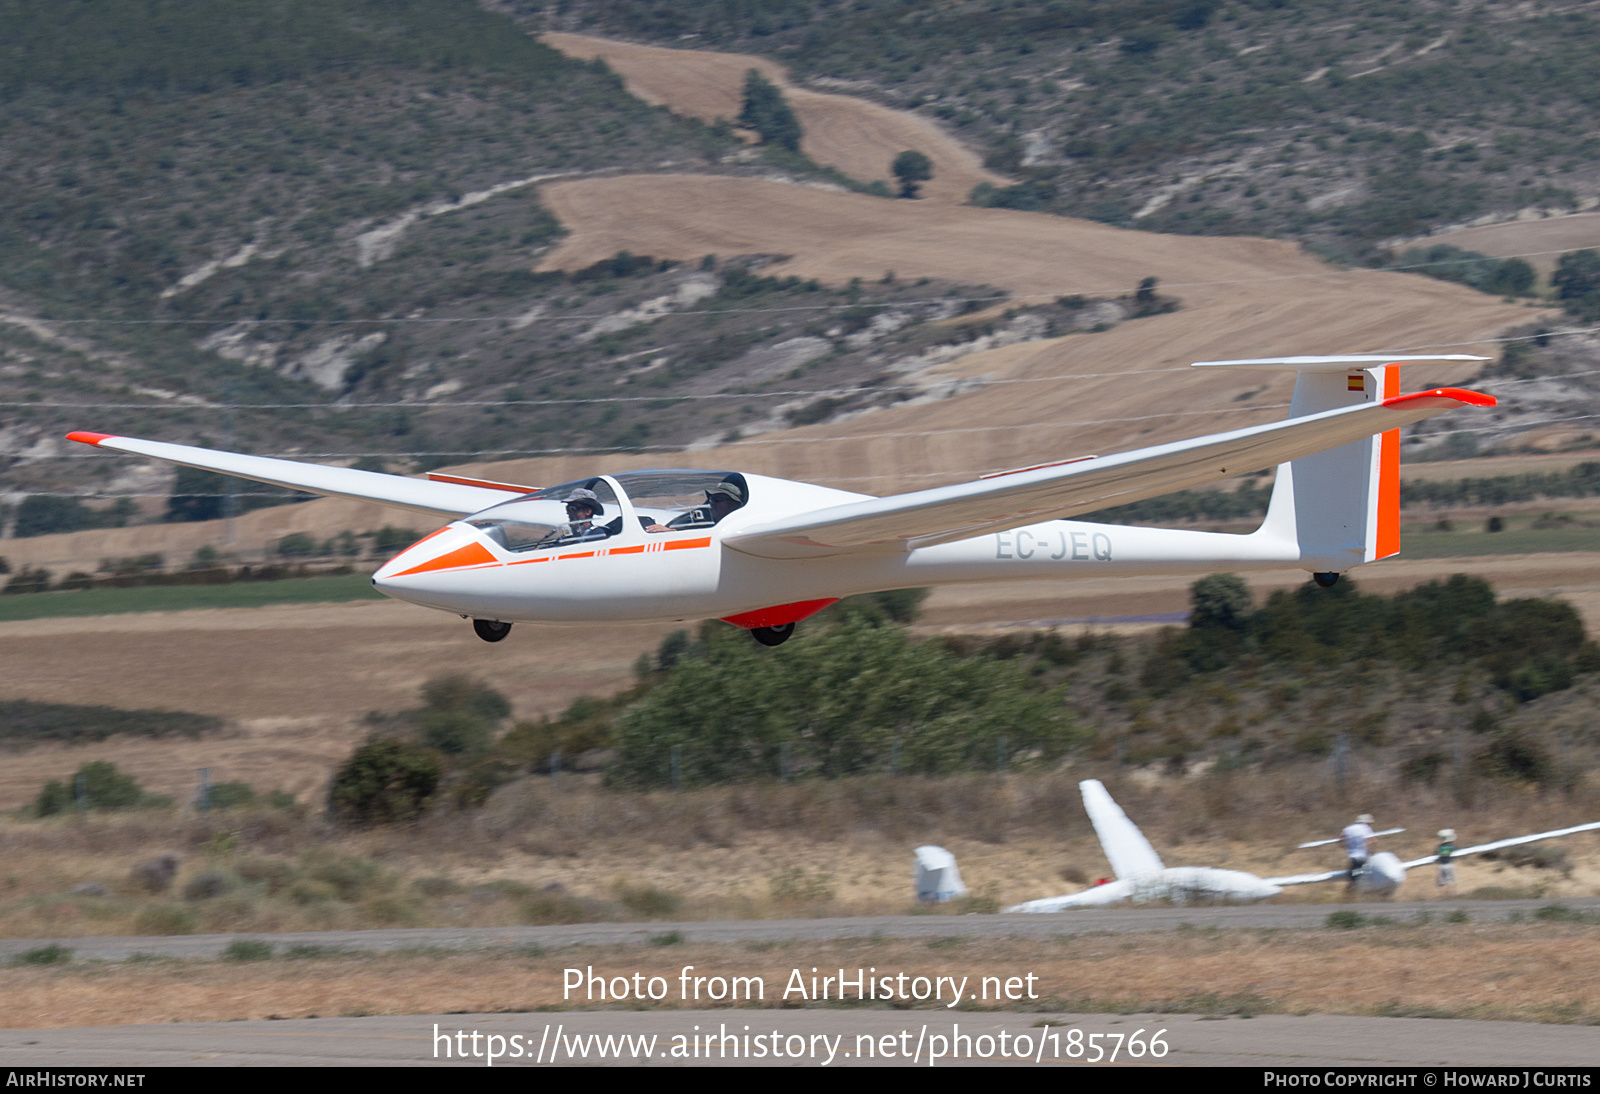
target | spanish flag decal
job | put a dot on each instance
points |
(1358, 382)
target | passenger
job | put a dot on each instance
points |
(1356, 839)
(1447, 869)
(721, 500)
(583, 509)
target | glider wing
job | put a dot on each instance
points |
(1129, 853)
(440, 499)
(1512, 842)
(924, 518)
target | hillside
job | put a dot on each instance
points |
(1350, 125)
(621, 313)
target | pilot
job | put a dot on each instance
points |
(1356, 838)
(721, 500)
(583, 509)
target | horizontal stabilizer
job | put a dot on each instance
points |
(1336, 839)
(1346, 363)
(439, 499)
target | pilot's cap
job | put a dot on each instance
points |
(728, 490)
(1365, 818)
(582, 496)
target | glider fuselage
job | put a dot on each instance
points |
(692, 573)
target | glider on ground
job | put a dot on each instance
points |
(764, 553)
(1143, 879)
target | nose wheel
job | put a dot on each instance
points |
(490, 630)
(772, 636)
(1325, 581)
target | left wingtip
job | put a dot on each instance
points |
(85, 437)
(1454, 394)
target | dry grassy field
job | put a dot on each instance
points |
(1536, 972)
(858, 137)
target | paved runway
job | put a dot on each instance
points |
(804, 1038)
(1062, 924)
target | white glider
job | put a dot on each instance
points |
(1143, 879)
(659, 551)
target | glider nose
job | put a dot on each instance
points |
(453, 547)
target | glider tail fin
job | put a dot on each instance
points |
(1340, 507)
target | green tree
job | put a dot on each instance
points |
(911, 168)
(383, 782)
(1221, 601)
(841, 700)
(767, 113)
(1577, 282)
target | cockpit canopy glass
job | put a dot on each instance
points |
(664, 501)
(677, 499)
(544, 519)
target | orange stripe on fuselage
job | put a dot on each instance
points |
(1387, 539)
(473, 554)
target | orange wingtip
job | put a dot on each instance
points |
(1454, 394)
(83, 437)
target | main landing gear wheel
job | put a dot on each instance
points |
(1326, 581)
(772, 636)
(489, 630)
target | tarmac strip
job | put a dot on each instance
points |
(1057, 925)
(830, 1037)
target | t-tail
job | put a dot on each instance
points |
(1340, 507)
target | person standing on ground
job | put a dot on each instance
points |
(1357, 839)
(1447, 869)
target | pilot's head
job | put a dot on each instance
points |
(584, 505)
(724, 498)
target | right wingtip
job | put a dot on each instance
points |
(85, 437)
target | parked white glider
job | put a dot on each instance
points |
(659, 551)
(1143, 879)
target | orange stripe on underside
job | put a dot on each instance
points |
(528, 561)
(1387, 540)
(580, 554)
(684, 544)
(626, 550)
(473, 554)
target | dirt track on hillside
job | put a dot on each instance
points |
(858, 137)
(1541, 241)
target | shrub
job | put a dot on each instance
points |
(247, 949)
(297, 545)
(212, 883)
(230, 795)
(454, 732)
(165, 919)
(349, 877)
(464, 693)
(104, 787)
(649, 901)
(155, 875)
(383, 782)
(44, 955)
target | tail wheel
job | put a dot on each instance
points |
(490, 630)
(772, 636)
